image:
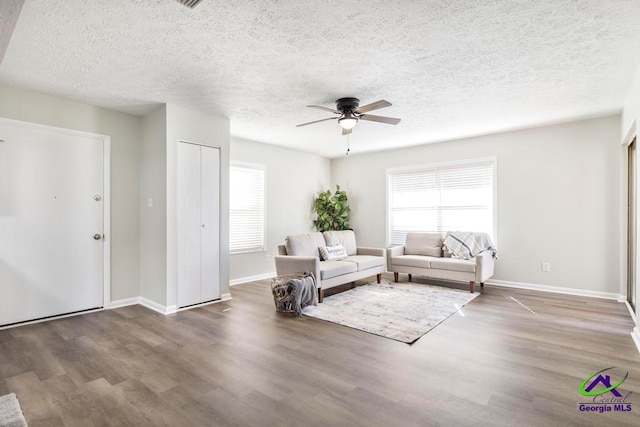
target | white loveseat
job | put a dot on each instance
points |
(423, 255)
(301, 252)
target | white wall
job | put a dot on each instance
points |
(293, 180)
(193, 126)
(124, 130)
(558, 199)
(153, 220)
(628, 130)
(631, 109)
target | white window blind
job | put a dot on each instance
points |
(246, 205)
(440, 199)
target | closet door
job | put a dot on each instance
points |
(210, 218)
(188, 224)
(198, 224)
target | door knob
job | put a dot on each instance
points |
(97, 236)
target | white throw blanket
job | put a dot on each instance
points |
(466, 245)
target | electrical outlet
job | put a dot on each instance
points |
(546, 267)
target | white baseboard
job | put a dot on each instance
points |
(251, 278)
(124, 302)
(557, 290)
(152, 305)
(636, 337)
(633, 315)
(162, 309)
(159, 308)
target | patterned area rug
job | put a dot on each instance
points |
(399, 311)
(10, 412)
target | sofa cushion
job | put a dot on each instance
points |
(329, 269)
(365, 262)
(446, 253)
(429, 244)
(452, 264)
(346, 238)
(419, 261)
(332, 253)
(304, 244)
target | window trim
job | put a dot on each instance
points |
(257, 166)
(441, 165)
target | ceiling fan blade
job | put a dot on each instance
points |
(380, 119)
(320, 107)
(316, 121)
(373, 106)
(346, 131)
(190, 3)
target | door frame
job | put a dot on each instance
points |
(632, 223)
(106, 196)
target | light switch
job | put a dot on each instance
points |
(150, 202)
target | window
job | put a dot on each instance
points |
(246, 208)
(452, 197)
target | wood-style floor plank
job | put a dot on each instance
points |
(510, 357)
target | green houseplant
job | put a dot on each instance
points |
(332, 210)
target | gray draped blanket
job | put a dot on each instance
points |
(305, 291)
(466, 245)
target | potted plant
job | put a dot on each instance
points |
(332, 211)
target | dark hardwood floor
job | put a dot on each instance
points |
(511, 357)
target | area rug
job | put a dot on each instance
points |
(10, 412)
(399, 311)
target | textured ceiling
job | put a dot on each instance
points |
(451, 68)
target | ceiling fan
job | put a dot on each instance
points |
(190, 3)
(349, 113)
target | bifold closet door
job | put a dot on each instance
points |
(210, 219)
(198, 224)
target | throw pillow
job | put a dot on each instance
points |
(332, 253)
(346, 238)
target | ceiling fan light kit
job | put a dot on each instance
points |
(349, 113)
(348, 120)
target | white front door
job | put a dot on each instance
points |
(51, 222)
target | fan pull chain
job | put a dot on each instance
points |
(348, 143)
